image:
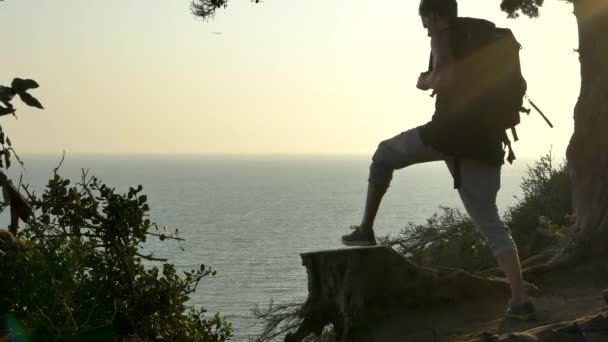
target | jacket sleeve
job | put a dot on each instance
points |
(441, 75)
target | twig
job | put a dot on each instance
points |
(70, 315)
(170, 237)
(57, 330)
(278, 319)
(150, 257)
(60, 163)
(18, 159)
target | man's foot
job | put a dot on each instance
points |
(359, 237)
(524, 311)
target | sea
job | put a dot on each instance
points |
(249, 217)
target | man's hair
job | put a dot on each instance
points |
(443, 8)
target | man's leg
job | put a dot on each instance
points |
(375, 193)
(396, 153)
(509, 263)
(480, 183)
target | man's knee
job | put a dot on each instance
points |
(500, 241)
(382, 153)
(381, 171)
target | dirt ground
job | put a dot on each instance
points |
(563, 295)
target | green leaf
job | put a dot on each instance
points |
(30, 100)
(8, 141)
(7, 158)
(6, 111)
(6, 94)
(20, 85)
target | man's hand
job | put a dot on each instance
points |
(423, 81)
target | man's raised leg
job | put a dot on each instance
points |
(363, 234)
(396, 153)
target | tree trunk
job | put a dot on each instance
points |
(354, 288)
(587, 152)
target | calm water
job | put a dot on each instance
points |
(250, 217)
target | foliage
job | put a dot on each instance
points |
(278, 319)
(529, 8)
(19, 87)
(281, 319)
(539, 218)
(537, 221)
(447, 239)
(206, 8)
(82, 272)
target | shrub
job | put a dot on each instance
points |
(82, 273)
(537, 221)
(447, 239)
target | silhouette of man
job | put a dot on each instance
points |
(473, 156)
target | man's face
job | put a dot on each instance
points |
(432, 23)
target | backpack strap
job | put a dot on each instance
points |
(507, 143)
(514, 133)
(457, 173)
(539, 111)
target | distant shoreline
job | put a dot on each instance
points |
(96, 155)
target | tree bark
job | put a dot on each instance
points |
(354, 288)
(587, 153)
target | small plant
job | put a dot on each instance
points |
(19, 87)
(537, 221)
(81, 272)
(547, 197)
(447, 239)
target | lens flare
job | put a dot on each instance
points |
(14, 329)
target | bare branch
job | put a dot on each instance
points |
(150, 257)
(61, 162)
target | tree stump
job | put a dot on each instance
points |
(350, 288)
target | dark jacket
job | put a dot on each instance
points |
(460, 125)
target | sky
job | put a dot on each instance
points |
(288, 77)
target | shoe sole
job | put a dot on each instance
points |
(358, 243)
(527, 317)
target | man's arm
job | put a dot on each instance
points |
(440, 76)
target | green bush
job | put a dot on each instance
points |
(81, 272)
(447, 239)
(537, 221)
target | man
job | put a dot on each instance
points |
(471, 149)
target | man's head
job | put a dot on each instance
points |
(436, 14)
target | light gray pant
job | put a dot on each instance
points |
(479, 185)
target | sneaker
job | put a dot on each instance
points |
(359, 237)
(524, 311)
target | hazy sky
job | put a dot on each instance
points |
(285, 76)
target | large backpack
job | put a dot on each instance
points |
(489, 77)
